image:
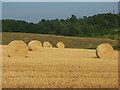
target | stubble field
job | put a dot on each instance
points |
(59, 68)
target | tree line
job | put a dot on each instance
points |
(89, 26)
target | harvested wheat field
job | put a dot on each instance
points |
(59, 68)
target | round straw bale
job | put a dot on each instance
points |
(17, 48)
(34, 45)
(105, 50)
(47, 44)
(60, 45)
(51, 45)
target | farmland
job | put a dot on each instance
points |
(70, 67)
(70, 42)
(59, 68)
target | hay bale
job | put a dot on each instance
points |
(60, 45)
(50, 45)
(47, 44)
(105, 50)
(17, 48)
(34, 45)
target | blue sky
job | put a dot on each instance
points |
(60, 0)
(35, 11)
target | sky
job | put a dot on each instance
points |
(60, 0)
(35, 11)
